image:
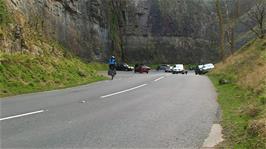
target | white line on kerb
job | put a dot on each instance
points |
(21, 115)
(127, 90)
(158, 79)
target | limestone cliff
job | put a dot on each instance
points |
(147, 31)
(173, 31)
(80, 25)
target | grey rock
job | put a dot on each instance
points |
(224, 81)
(159, 30)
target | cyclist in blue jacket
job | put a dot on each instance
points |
(112, 63)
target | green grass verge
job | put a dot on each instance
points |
(239, 107)
(25, 73)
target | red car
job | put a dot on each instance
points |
(141, 68)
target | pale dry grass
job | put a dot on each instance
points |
(258, 127)
(248, 66)
(255, 79)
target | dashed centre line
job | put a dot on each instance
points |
(159, 79)
(21, 115)
(127, 90)
(105, 96)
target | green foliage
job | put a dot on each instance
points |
(243, 101)
(3, 13)
(24, 73)
(236, 116)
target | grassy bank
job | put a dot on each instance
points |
(30, 61)
(243, 100)
(25, 73)
(240, 108)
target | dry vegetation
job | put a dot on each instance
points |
(30, 61)
(244, 100)
(248, 66)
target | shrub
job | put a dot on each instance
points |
(82, 73)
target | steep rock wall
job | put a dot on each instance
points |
(80, 25)
(146, 31)
(171, 31)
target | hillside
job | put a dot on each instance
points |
(31, 61)
(243, 100)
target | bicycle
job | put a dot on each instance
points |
(112, 73)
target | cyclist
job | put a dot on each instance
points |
(112, 66)
(112, 63)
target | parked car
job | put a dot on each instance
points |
(199, 71)
(124, 67)
(169, 69)
(179, 68)
(163, 67)
(208, 67)
(141, 68)
(203, 69)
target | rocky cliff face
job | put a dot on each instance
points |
(80, 25)
(148, 31)
(171, 31)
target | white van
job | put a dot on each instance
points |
(179, 68)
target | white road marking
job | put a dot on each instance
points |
(127, 90)
(158, 79)
(21, 115)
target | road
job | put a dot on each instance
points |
(155, 110)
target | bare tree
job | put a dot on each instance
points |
(232, 20)
(221, 28)
(257, 16)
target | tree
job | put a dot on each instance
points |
(257, 17)
(232, 20)
(221, 28)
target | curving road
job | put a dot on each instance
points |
(155, 110)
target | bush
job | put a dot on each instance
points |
(82, 73)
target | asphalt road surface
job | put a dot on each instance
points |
(155, 110)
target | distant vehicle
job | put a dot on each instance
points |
(203, 69)
(179, 68)
(199, 71)
(124, 67)
(141, 68)
(208, 67)
(169, 69)
(163, 67)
